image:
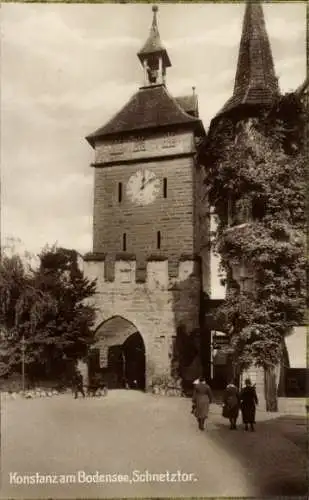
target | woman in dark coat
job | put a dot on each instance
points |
(201, 399)
(231, 403)
(249, 401)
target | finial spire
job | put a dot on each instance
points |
(153, 55)
(255, 60)
(154, 26)
(255, 81)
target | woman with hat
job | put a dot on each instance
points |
(249, 401)
(201, 399)
(231, 404)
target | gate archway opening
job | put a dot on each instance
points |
(118, 356)
(222, 369)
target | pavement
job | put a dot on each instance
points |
(131, 444)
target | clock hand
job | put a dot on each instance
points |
(148, 182)
(143, 181)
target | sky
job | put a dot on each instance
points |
(67, 69)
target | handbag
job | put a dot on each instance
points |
(225, 411)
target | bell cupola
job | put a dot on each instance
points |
(154, 56)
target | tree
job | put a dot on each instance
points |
(46, 307)
(262, 163)
(68, 334)
(22, 307)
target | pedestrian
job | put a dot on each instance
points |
(78, 384)
(201, 399)
(196, 381)
(249, 401)
(231, 404)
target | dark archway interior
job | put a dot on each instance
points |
(125, 364)
(134, 361)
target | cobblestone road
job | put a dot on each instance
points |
(130, 431)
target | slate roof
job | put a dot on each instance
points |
(150, 107)
(255, 82)
(303, 88)
(189, 104)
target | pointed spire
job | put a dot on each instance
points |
(153, 45)
(255, 82)
(154, 26)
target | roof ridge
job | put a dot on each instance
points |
(192, 118)
(303, 86)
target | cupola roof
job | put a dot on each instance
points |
(153, 43)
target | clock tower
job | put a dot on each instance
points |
(150, 254)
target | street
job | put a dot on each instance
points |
(128, 437)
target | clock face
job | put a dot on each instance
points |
(143, 187)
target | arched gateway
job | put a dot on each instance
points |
(147, 242)
(118, 354)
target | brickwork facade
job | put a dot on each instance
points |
(147, 254)
(173, 212)
(144, 284)
(155, 308)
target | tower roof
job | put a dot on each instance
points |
(256, 83)
(153, 44)
(150, 107)
(303, 88)
(189, 104)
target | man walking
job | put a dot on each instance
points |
(78, 384)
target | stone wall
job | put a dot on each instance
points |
(203, 227)
(293, 406)
(156, 308)
(173, 216)
(156, 288)
(141, 146)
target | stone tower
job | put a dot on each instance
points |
(147, 251)
(255, 90)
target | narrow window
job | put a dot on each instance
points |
(120, 192)
(165, 187)
(124, 242)
(159, 239)
(258, 209)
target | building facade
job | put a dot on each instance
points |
(151, 227)
(256, 91)
(148, 257)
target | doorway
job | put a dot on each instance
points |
(133, 350)
(124, 364)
